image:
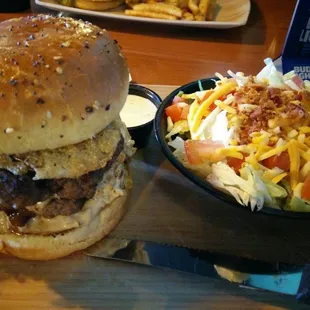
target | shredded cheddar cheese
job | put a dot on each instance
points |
(279, 177)
(251, 159)
(304, 129)
(225, 107)
(221, 91)
(294, 163)
(273, 152)
(304, 155)
(305, 170)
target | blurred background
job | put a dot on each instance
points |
(14, 6)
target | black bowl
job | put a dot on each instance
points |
(141, 134)
(160, 127)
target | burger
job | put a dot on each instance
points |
(64, 151)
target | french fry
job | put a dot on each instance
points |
(188, 16)
(149, 14)
(66, 2)
(199, 17)
(183, 4)
(172, 2)
(211, 10)
(160, 8)
(203, 8)
(193, 6)
(131, 3)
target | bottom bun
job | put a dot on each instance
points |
(98, 5)
(36, 247)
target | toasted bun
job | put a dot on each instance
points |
(61, 82)
(95, 5)
(38, 247)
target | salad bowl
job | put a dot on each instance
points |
(161, 131)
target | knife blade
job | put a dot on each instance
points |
(247, 273)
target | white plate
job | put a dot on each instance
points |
(231, 13)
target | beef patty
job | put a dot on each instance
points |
(20, 191)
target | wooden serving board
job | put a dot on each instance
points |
(80, 282)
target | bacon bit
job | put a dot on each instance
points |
(256, 113)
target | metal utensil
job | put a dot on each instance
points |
(246, 273)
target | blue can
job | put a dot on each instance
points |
(296, 50)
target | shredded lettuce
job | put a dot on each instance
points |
(178, 127)
(219, 130)
(239, 77)
(177, 144)
(204, 130)
(200, 85)
(296, 204)
(275, 190)
(247, 189)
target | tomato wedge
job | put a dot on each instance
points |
(235, 163)
(281, 161)
(212, 107)
(185, 112)
(305, 192)
(197, 151)
(174, 111)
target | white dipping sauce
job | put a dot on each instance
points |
(137, 111)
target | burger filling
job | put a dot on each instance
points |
(26, 198)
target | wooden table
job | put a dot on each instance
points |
(170, 56)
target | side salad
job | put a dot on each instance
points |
(249, 136)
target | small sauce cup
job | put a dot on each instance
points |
(139, 112)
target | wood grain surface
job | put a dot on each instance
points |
(176, 55)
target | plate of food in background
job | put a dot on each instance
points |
(222, 14)
(243, 139)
